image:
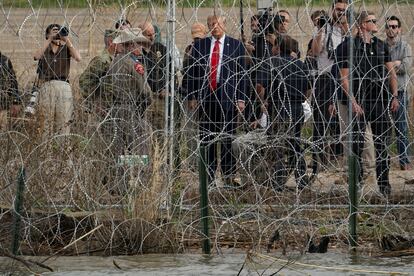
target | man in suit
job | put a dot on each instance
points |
(216, 85)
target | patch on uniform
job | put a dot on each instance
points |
(139, 68)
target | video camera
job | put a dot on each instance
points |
(266, 23)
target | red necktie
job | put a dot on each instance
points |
(215, 57)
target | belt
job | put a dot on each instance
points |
(42, 81)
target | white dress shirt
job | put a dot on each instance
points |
(221, 43)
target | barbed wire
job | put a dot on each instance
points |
(113, 168)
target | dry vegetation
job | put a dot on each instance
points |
(67, 194)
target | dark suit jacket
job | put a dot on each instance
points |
(233, 75)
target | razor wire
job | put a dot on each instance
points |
(81, 179)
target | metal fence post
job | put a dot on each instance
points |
(204, 200)
(352, 162)
(18, 203)
(353, 197)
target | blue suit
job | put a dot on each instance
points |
(217, 109)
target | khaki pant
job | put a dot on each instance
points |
(55, 108)
(3, 120)
(368, 154)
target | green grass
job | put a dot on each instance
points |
(179, 3)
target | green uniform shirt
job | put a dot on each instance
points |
(92, 79)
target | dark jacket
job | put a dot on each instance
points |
(370, 74)
(233, 74)
(286, 85)
(9, 90)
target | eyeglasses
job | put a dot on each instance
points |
(373, 21)
(391, 27)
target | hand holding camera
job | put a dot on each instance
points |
(61, 33)
(322, 21)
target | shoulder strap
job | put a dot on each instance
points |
(329, 43)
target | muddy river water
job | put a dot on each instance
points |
(226, 264)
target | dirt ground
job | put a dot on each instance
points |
(23, 32)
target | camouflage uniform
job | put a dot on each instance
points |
(90, 81)
(9, 91)
(125, 125)
(130, 97)
(92, 86)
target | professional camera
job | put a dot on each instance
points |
(266, 25)
(322, 21)
(30, 109)
(63, 32)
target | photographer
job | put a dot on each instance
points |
(271, 27)
(130, 96)
(55, 94)
(330, 32)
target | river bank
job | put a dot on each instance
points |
(229, 263)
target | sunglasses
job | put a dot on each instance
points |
(373, 21)
(392, 27)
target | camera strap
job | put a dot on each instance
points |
(329, 43)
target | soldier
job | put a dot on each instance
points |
(130, 97)
(9, 91)
(92, 79)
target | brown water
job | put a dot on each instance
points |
(227, 264)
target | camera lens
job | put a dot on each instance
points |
(64, 31)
